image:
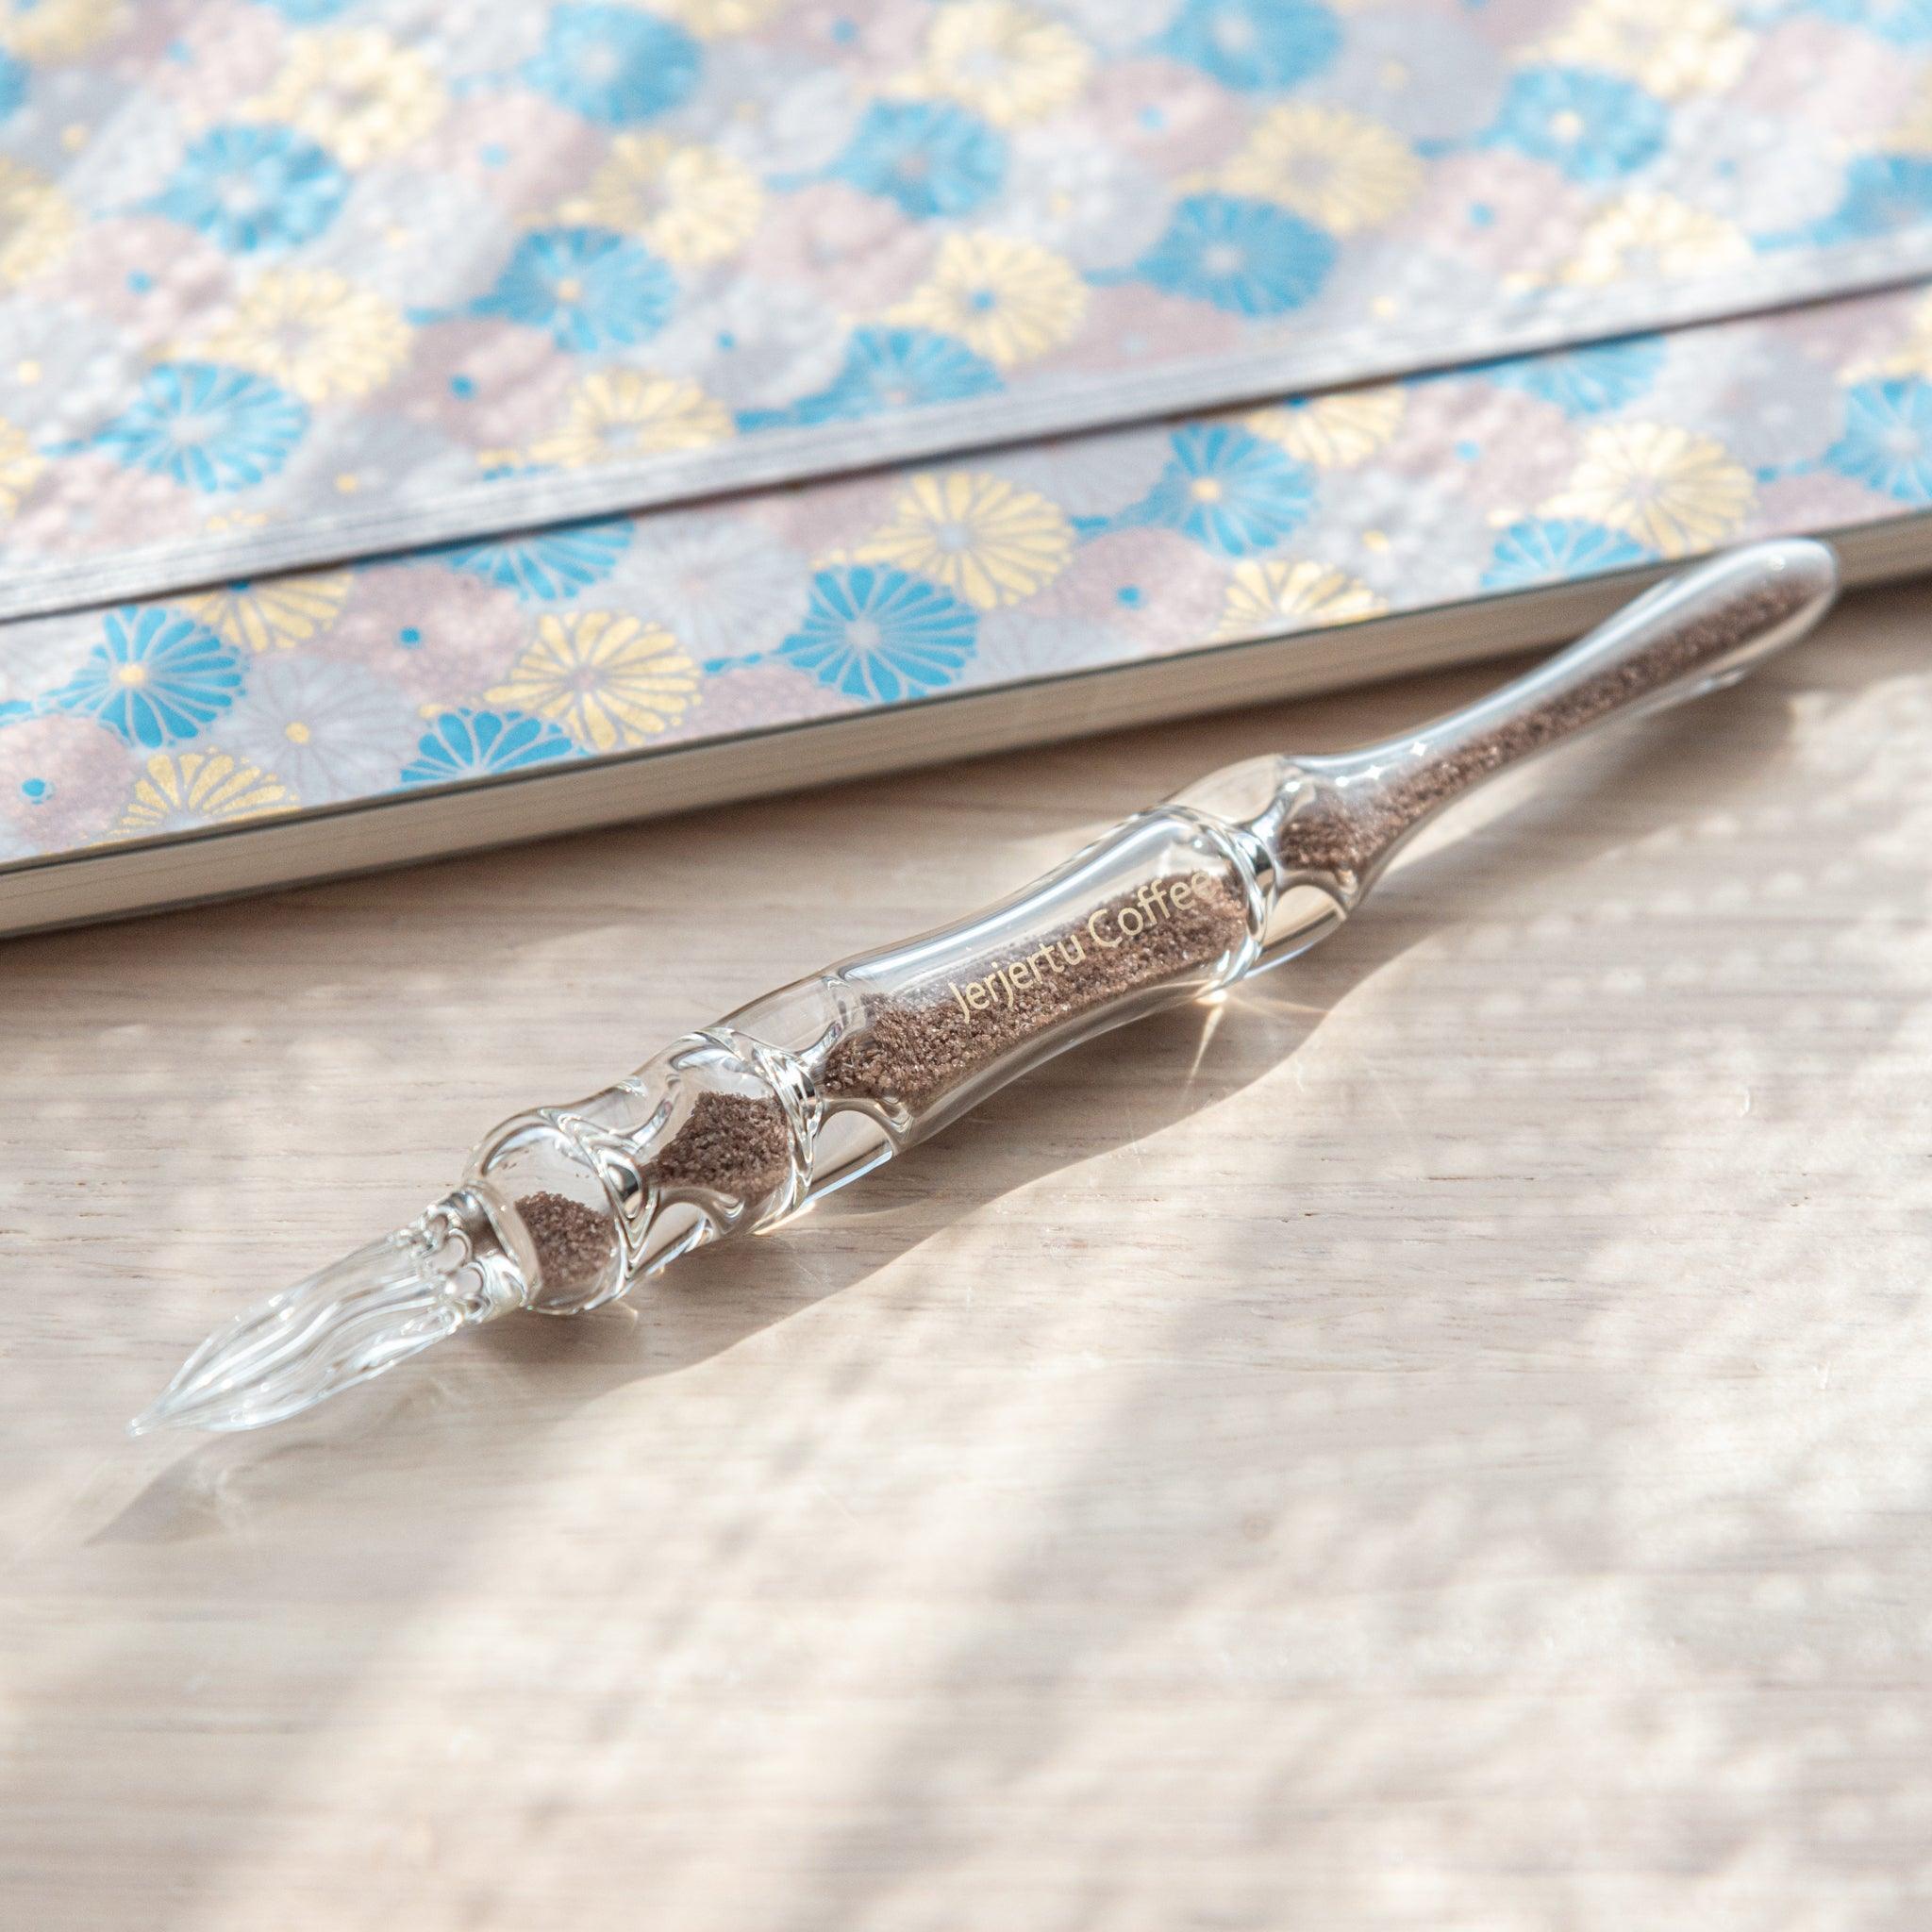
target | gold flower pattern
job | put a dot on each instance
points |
(184, 792)
(626, 412)
(691, 204)
(1004, 61)
(1670, 489)
(315, 333)
(58, 29)
(1670, 47)
(1330, 166)
(20, 465)
(363, 94)
(1336, 431)
(610, 679)
(1007, 300)
(983, 538)
(714, 19)
(1653, 236)
(1264, 598)
(278, 613)
(37, 224)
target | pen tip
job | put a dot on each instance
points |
(158, 1414)
(352, 1320)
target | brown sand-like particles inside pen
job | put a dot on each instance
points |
(915, 1052)
(910, 1053)
(574, 1244)
(1343, 834)
(728, 1143)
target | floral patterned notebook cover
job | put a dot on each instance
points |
(619, 637)
(285, 282)
(402, 393)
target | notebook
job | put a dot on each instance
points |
(432, 425)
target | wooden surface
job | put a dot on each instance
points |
(1444, 1442)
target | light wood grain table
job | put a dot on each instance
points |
(1444, 1442)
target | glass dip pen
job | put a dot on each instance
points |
(734, 1127)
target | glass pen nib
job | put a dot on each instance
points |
(355, 1319)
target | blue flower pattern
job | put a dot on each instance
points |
(1596, 128)
(546, 565)
(155, 678)
(211, 427)
(1253, 44)
(1585, 381)
(882, 635)
(1552, 550)
(613, 65)
(1882, 194)
(1246, 257)
(1887, 440)
(590, 288)
(1904, 23)
(886, 369)
(466, 743)
(929, 157)
(13, 84)
(1227, 489)
(249, 188)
